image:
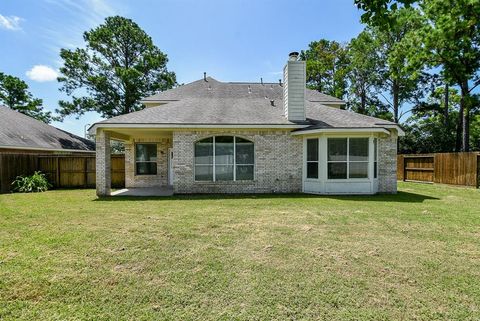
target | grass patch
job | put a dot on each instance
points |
(64, 255)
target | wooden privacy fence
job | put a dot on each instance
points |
(62, 171)
(444, 168)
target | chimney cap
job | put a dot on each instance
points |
(293, 55)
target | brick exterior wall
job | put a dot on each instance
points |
(103, 163)
(387, 165)
(161, 179)
(278, 163)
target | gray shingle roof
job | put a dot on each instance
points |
(19, 130)
(215, 103)
(220, 90)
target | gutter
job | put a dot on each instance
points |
(94, 127)
(47, 149)
(341, 130)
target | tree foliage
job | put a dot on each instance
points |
(364, 76)
(119, 66)
(448, 40)
(15, 95)
(326, 67)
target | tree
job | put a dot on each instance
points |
(326, 63)
(118, 67)
(377, 12)
(364, 76)
(429, 130)
(401, 84)
(15, 95)
(449, 38)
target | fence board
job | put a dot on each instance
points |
(62, 171)
(444, 168)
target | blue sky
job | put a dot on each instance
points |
(230, 40)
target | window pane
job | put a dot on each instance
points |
(146, 152)
(146, 168)
(204, 151)
(224, 150)
(337, 149)
(312, 149)
(358, 149)
(204, 173)
(375, 170)
(244, 172)
(337, 170)
(244, 150)
(375, 142)
(224, 172)
(312, 170)
(358, 170)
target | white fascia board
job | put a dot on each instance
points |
(341, 130)
(94, 127)
(400, 131)
(47, 149)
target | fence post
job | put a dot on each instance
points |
(85, 168)
(404, 169)
(478, 170)
(58, 172)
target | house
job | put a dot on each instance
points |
(20, 133)
(217, 137)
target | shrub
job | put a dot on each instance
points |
(30, 184)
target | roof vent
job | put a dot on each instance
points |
(249, 89)
(261, 81)
(205, 76)
(280, 82)
(272, 102)
(293, 56)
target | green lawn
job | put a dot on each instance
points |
(64, 255)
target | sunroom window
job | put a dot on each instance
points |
(347, 158)
(224, 158)
(312, 158)
(145, 159)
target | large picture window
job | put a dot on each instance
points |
(145, 159)
(224, 158)
(347, 158)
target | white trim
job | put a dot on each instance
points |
(48, 149)
(94, 127)
(341, 130)
(170, 166)
(398, 128)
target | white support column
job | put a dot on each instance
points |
(103, 163)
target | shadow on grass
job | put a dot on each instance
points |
(400, 197)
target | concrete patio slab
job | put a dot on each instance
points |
(147, 191)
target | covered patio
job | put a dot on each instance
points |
(148, 161)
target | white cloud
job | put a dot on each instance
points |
(42, 73)
(10, 22)
(82, 15)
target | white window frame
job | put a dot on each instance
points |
(317, 161)
(234, 161)
(348, 161)
(375, 158)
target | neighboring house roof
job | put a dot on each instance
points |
(20, 131)
(217, 103)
